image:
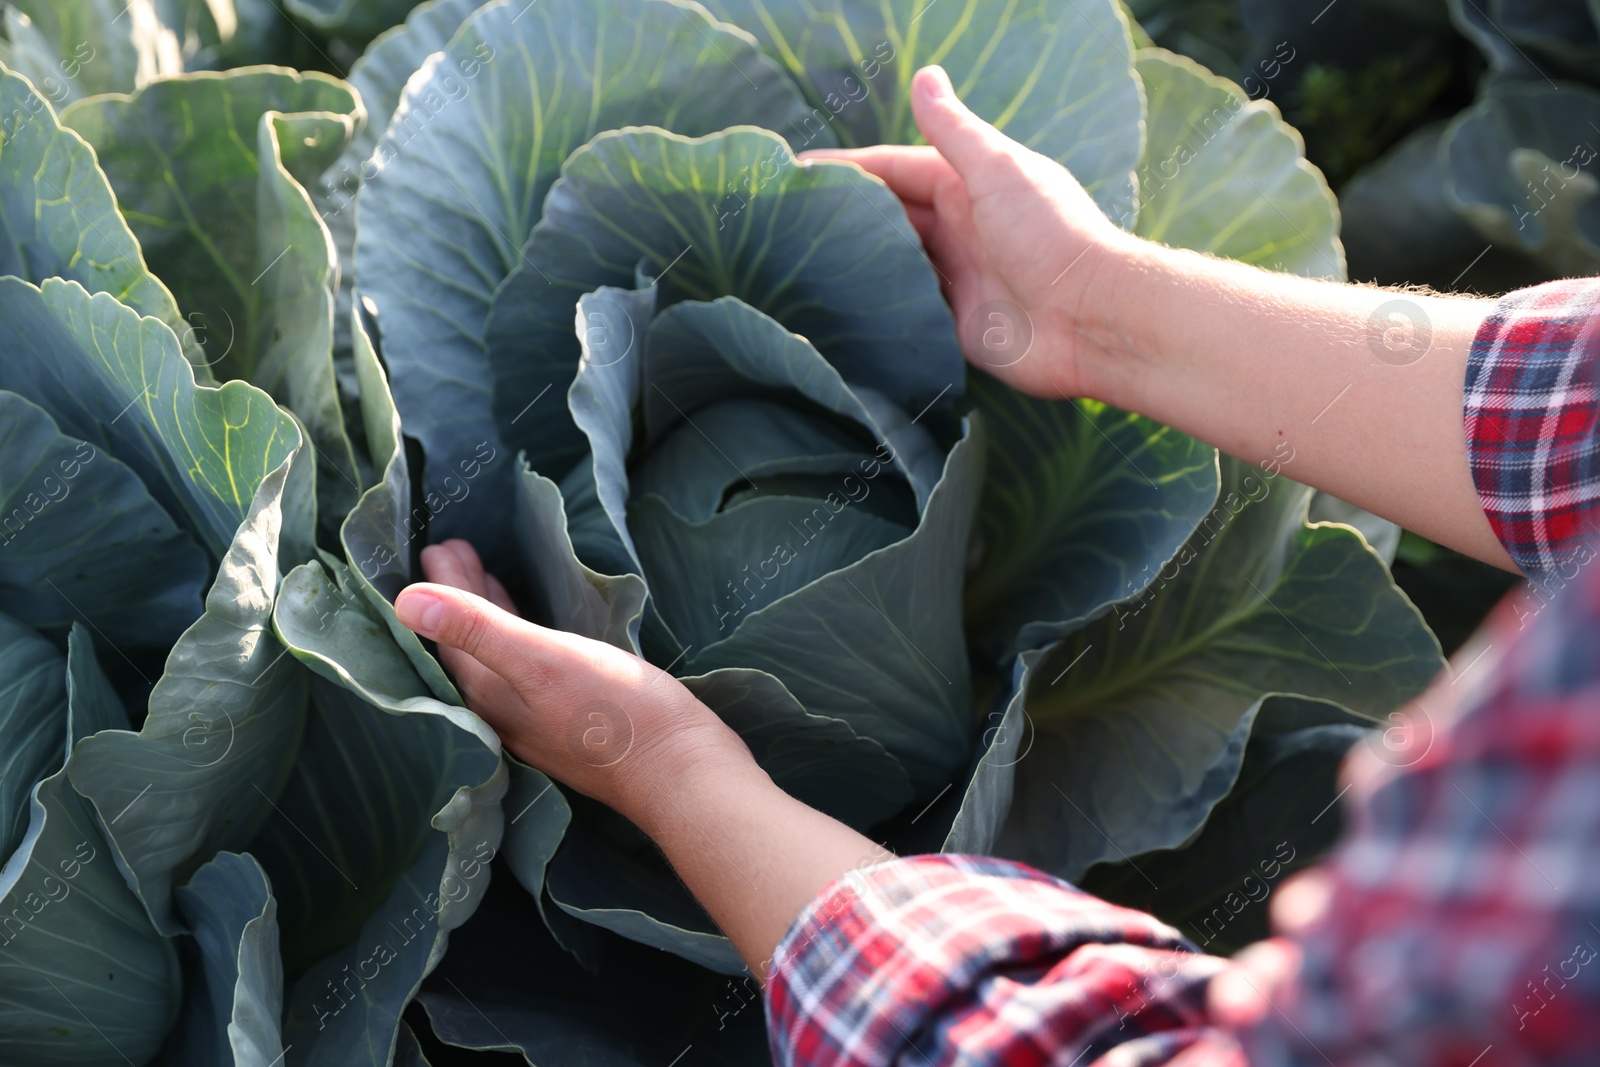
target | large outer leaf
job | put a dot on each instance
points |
(235, 1002)
(823, 249)
(878, 643)
(1278, 817)
(1053, 75)
(82, 537)
(817, 760)
(482, 132)
(1140, 716)
(377, 536)
(1081, 507)
(635, 1008)
(381, 838)
(1224, 174)
(33, 721)
(352, 21)
(294, 353)
(565, 593)
(380, 76)
(76, 48)
(1520, 169)
(378, 848)
(183, 156)
(119, 382)
(61, 216)
(222, 733)
(84, 977)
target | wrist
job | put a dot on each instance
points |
(678, 770)
(1114, 317)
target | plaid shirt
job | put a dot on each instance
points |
(1457, 924)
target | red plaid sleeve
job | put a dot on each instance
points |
(1531, 425)
(943, 960)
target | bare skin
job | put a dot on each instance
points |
(1238, 357)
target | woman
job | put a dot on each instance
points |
(1452, 926)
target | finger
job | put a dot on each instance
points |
(498, 595)
(471, 565)
(443, 567)
(925, 221)
(981, 154)
(527, 656)
(912, 171)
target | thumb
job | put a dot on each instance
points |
(978, 152)
(509, 646)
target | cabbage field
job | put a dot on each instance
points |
(291, 292)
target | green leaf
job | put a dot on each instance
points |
(1516, 171)
(83, 537)
(33, 720)
(119, 382)
(381, 838)
(95, 704)
(690, 469)
(76, 48)
(84, 976)
(539, 816)
(185, 161)
(1140, 717)
(563, 592)
(1280, 816)
(378, 847)
(295, 349)
(61, 215)
(823, 249)
(1082, 505)
(633, 893)
(1054, 76)
(234, 1005)
(408, 1050)
(222, 732)
(706, 576)
(378, 533)
(353, 21)
(1396, 223)
(487, 128)
(605, 393)
(879, 643)
(819, 761)
(1225, 174)
(636, 1008)
(380, 77)
(976, 824)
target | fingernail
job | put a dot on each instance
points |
(421, 612)
(934, 83)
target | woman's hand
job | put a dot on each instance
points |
(610, 725)
(1360, 387)
(589, 715)
(1021, 248)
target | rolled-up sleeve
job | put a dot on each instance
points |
(1533, 440)
(935, 960)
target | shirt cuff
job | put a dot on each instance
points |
(965, 959)
(1530, 416)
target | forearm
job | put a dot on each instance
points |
(1259, 363)
(751, 854)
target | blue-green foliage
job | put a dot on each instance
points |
(690, 395)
